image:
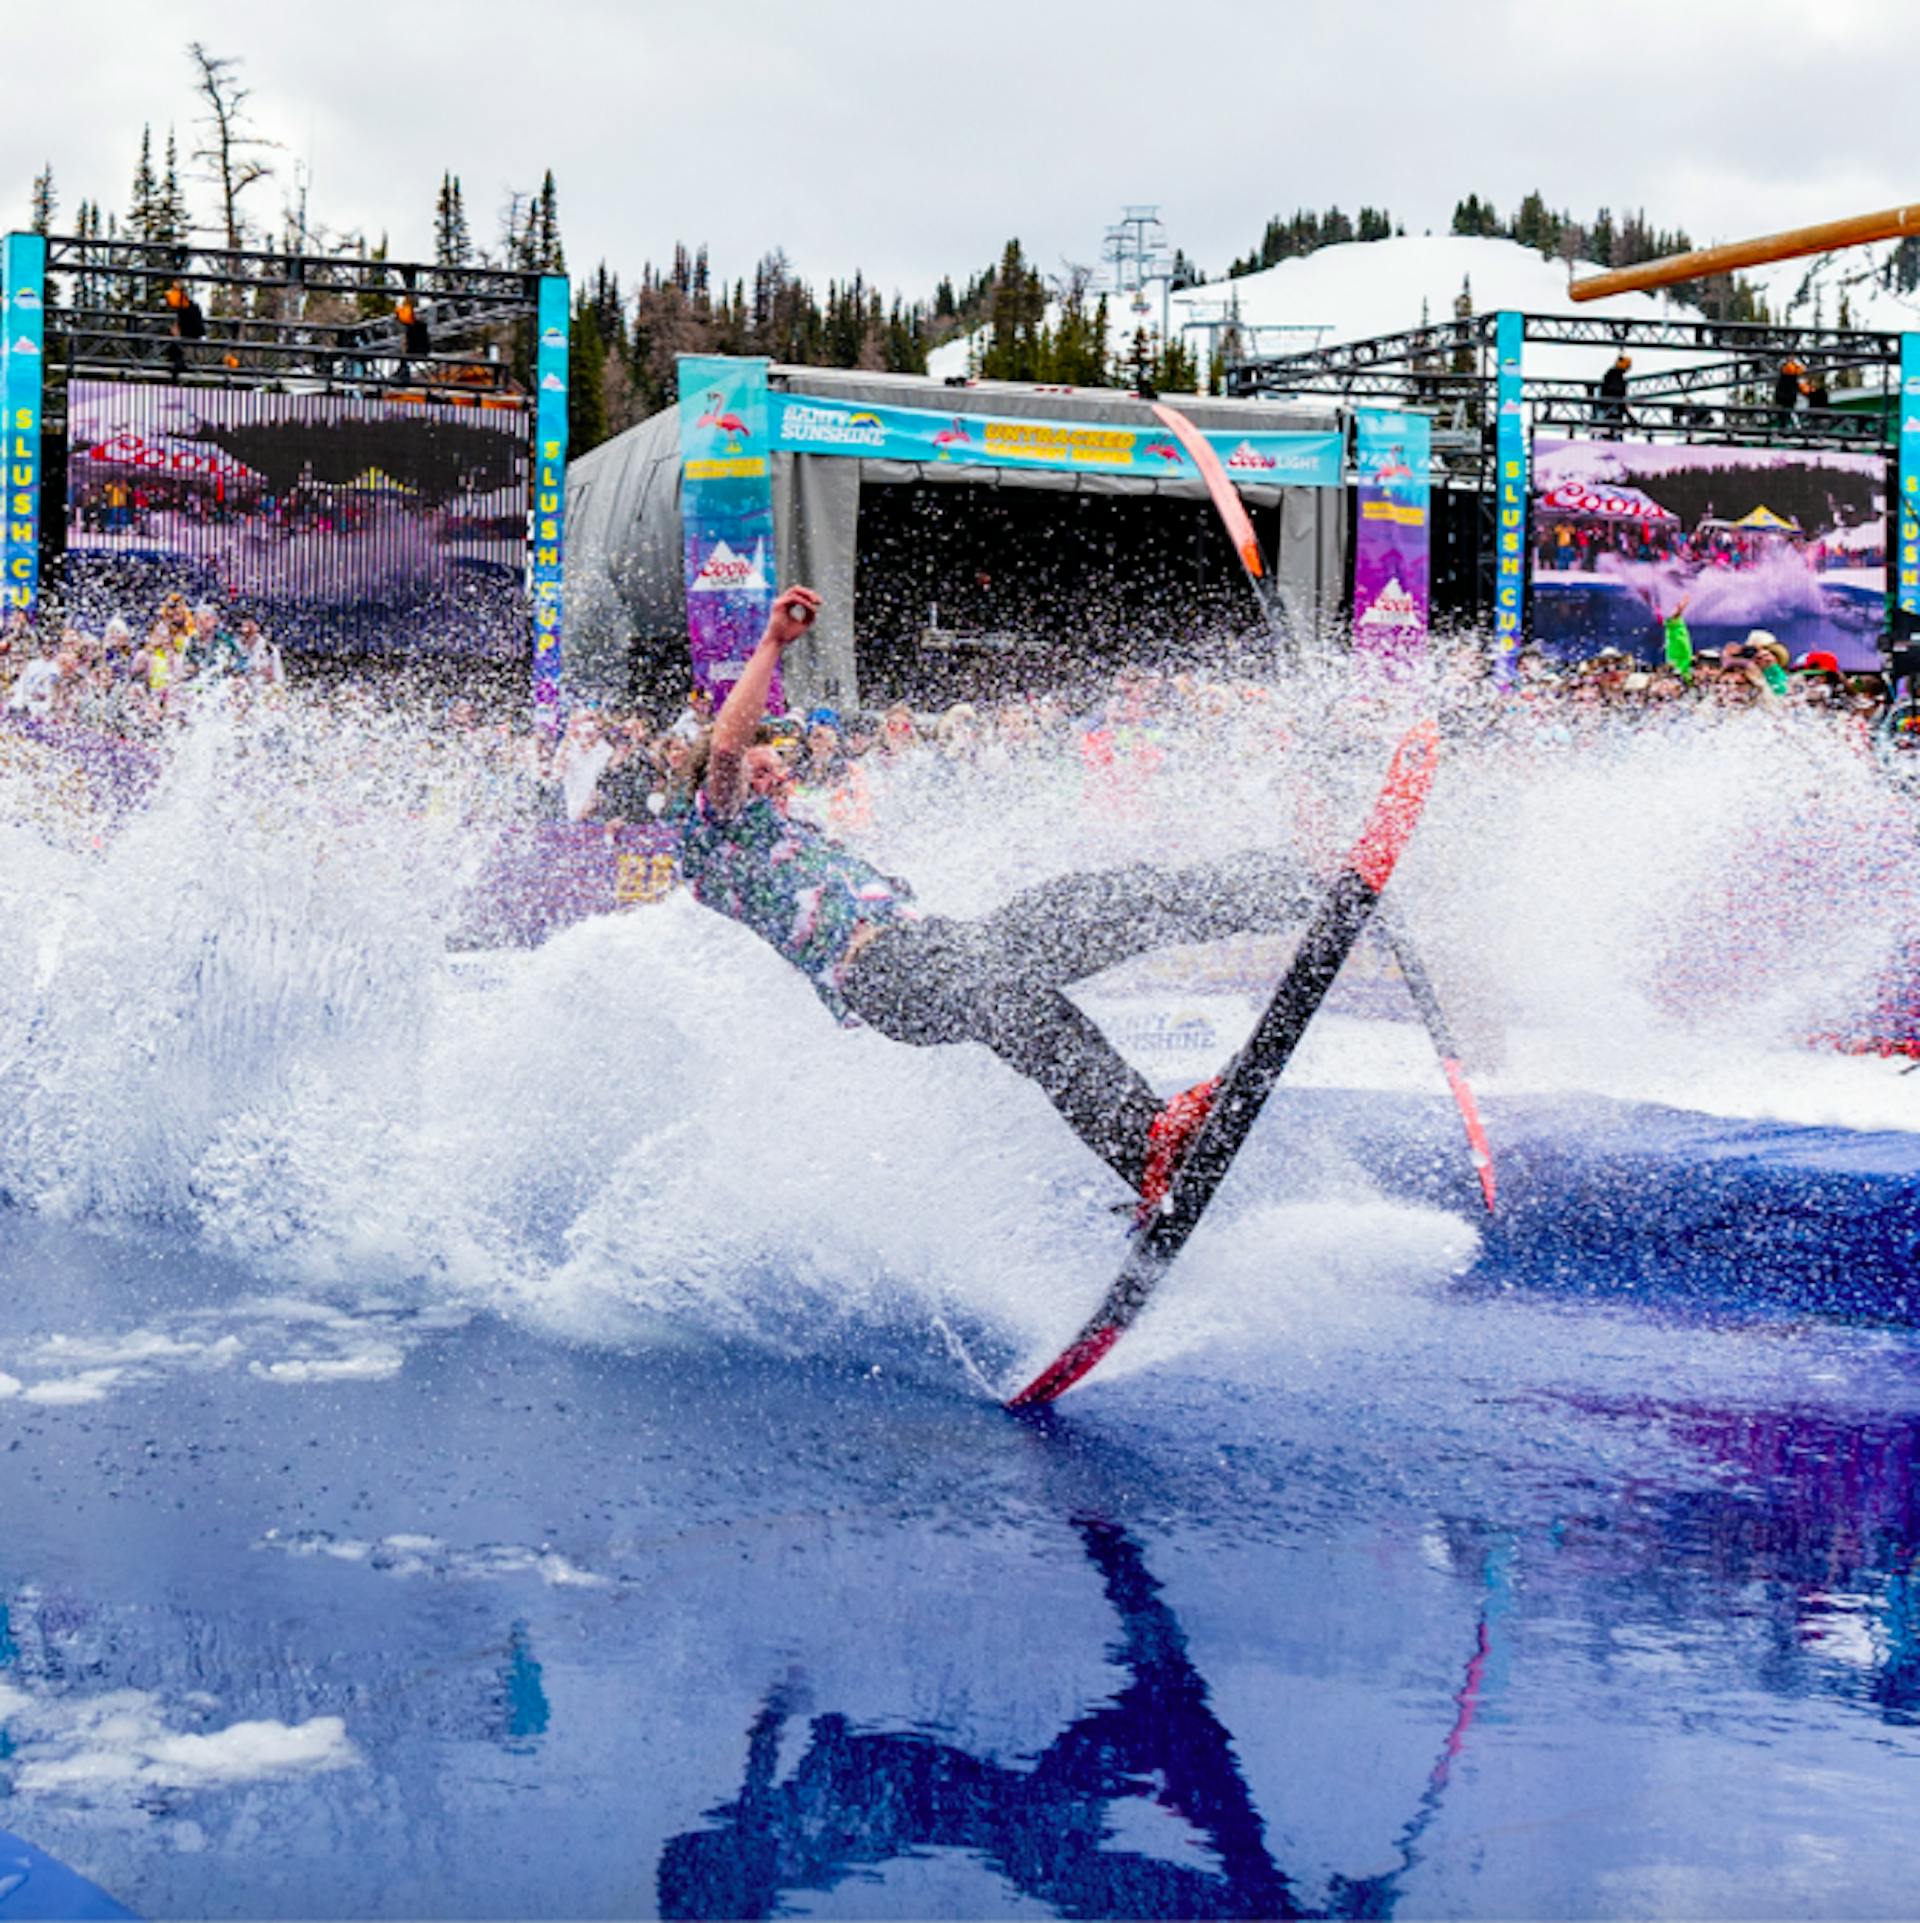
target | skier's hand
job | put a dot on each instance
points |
(791, 615)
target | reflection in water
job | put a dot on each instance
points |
(1814, 1520)
(857, 1800)
(522, 1701)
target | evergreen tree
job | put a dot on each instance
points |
(91, 288)
(586, 381)
(1075, 352)
(1016, 317)
(1176, 371)
(45, 202)
(372, 302)
(172, 223)
(1475, 218)
(452, 240)
(1463, 354)
(143, 211)
(1375, 224)
(1602, 241)
(1537, 226)
(545, 253)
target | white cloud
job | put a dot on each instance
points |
(911, 144)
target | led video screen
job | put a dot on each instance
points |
(1789, 540)
(344, 525)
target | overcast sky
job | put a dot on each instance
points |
(909, 140)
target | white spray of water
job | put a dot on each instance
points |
(235, 1016)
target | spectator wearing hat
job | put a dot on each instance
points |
(1816, 679)
(1770, 657)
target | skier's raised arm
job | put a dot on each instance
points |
(733, 727)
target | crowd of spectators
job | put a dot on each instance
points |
(629, 766)
(115, 680)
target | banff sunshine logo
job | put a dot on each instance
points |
(813, 426)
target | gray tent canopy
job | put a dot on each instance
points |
(625, 584)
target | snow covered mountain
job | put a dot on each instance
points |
(1360, 289)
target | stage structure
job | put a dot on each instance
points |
(367, 455)
(964, 535)
(1746, 398)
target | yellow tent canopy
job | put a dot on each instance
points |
(1767, 522)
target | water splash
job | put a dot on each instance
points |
(237, 1015)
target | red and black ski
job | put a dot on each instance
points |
(1342, 916)
(1240, 531)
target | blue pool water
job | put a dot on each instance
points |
(1430, 1599)
(519, 1436)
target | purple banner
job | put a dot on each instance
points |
(546, 877)
(726, 509)
(1390, 551)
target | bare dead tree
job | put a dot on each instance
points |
(235, 156)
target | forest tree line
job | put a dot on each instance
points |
(1024, 323)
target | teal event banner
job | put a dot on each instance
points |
(1907, 577)
(1392, 453)
(548, 573)
(1510, 490)
(23, 293)
(726, 511)
(805, 424)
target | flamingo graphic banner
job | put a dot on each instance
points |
(805, 424)
(1390, 557)
(726, 508)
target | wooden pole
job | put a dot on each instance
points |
(1894, 224)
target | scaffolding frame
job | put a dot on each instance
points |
(106, 318)
(1448, 369)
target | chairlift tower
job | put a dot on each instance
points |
(1136, 255)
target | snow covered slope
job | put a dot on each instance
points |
(1365, 288)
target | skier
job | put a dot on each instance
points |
(874, 958)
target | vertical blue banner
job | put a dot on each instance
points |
(1392, 453)
(546, 580)
(1510, 491)
(726, 510)
(1906, 580)
(23, 294)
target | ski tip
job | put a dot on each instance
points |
(1251, 560)
(1476, 1130)
(1060, 1375)
(1408, 783)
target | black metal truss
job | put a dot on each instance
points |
(258, 334)
(1729, 376)
(1715, 425)
(1423, 352)
(130, 260)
